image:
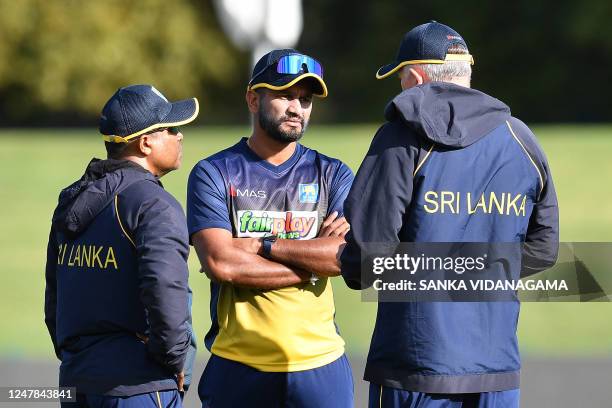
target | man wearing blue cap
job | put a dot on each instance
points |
(117, 297)
(265, 217)
(444, 142)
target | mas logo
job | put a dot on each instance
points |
(236, 192)
(309, 193)
(285, 225)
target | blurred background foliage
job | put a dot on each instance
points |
(60, 60)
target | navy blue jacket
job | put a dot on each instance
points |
(438, 138)
(116, 271)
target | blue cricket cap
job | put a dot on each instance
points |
(138, 109)
(281, 69)
(426, 44)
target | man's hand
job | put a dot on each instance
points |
(334, 227)
(180, 377)
(180, 380)
(318, 256)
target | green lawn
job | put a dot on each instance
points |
(36, 164)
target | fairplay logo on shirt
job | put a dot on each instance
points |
(283, 224)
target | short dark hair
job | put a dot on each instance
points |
(261, 92)
(115, 150)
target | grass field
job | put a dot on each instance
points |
(36, 164)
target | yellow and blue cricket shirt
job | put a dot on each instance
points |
(281, 330)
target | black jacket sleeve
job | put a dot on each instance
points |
(541, 247)
(51, 290)
(160, 237)
(379, 197)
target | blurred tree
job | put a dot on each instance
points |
(61, 59)
(63, 56)
(548, 60)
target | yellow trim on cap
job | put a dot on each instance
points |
(126, 139)
(449, 57)
(290, 84)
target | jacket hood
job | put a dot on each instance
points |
(82, 201)
(448, 114)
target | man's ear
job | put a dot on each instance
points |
(253, 99)
(145, 144)
(419, 75)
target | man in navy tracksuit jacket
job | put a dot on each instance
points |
(117, 296)
(440, 137)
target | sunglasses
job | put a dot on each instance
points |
(295, 64)
(175, 130)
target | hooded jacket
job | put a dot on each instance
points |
(116, 273)
(443, 138)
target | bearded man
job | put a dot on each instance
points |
(265, 218)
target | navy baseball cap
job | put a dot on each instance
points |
(281, 69)
(138, 109)
(426, 44)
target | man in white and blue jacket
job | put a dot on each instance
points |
(117, 300)
(442, 136)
